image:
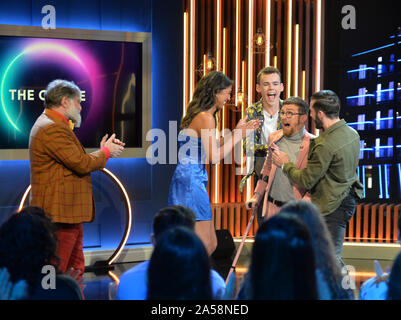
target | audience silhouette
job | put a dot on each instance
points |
(27, 245)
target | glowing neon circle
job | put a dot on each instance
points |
(34, 48)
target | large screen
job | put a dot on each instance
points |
(371, 89)
(109, 73)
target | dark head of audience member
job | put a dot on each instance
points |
(282, 262)
(394, 282)
(328, 270)
(28, 251)
(27, 243)
(179, 267)
(170, 217)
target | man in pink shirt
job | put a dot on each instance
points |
(274, 187)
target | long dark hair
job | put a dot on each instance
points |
(179, 268)
(204, 96)
(282, 261)
(27, 243)
(325, 258)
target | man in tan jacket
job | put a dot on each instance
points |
(274, 188)
(60, 170)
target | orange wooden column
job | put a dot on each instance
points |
(395, 226)
(373, 219)
(358, 223)
(389, 209)
(381, 222)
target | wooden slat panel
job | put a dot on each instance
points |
(231, 219)
(249, 214)
(224, 218)
(234, 217)
(351, 229)
(358, 223)
(255, 225)
(218, 218)
(244, 220)
(237, 221)
(366, 208)
(381, 222)
(395, 226)
(373, 219)
(388, 222)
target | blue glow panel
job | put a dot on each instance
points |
(399, 179)
(372, 96)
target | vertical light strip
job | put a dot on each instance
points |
(289, 47)
(237, 57)
(318, 33)
(224, 50)
(250, 72)
(268, 23)
(218, 27)
(380, 182)
(204, 64)
(192, 50)
(250, 53)
(217, 167)
(275, 61)
(399, 177)
(243, 88)
(185, 70)
(304, 84)
(224, 71)
(296, 75)
(387, 195)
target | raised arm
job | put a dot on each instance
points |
(205, 126)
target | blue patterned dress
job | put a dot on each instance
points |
(188, 185)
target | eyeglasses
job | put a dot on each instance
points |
(289, 114)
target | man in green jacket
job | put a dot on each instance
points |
(330, 175)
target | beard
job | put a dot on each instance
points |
(292, 129)
(74, 115)
(318, 123)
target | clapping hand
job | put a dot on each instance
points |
(114, 145)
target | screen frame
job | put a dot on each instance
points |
(145, 38)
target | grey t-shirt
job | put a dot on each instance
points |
(281, 188)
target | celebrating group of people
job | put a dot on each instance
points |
(288, 163)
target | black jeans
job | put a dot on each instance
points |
(337, 222)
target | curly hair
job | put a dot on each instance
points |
(204, 96)
(27, 243)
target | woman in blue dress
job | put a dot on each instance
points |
(198, 145)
